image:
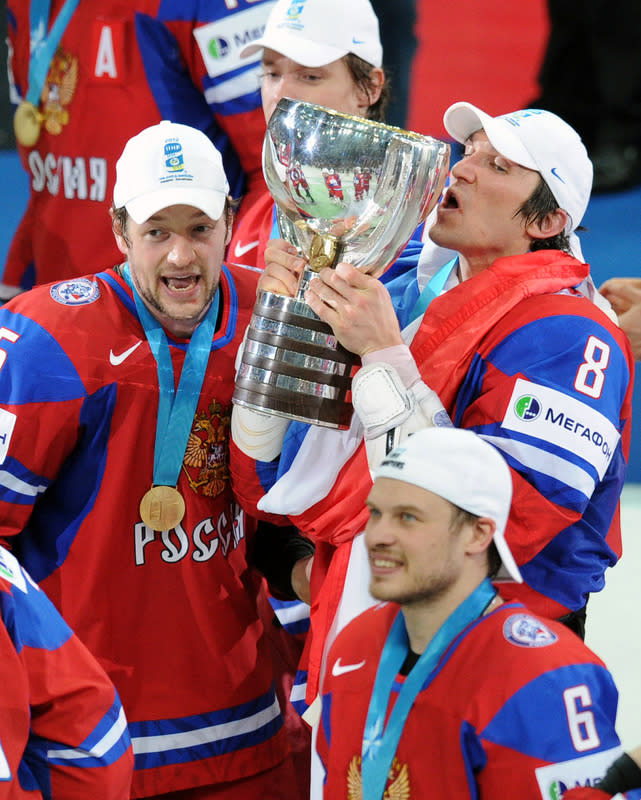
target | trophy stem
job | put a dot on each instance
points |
(292, 364)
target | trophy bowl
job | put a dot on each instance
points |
(346, 189)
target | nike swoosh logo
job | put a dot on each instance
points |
(341, 669)
(556, 174)
(116, 360)
(240, 249)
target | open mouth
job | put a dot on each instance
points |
(181, 284)
(449, 201)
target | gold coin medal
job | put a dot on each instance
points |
(162, 508)
(27, 122)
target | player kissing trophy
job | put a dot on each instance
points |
(292, 364)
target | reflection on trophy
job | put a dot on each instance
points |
(346, 189)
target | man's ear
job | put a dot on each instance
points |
(551, 225)
(481, 535)
(370, 96)
(119, 234)
(230, 222)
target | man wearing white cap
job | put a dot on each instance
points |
(500, 340)
(318, 51)
(115, 399)
(487, 699)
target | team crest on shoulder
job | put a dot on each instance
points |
(524, 630)
(76, 292)
(398, 781)
(206, 456)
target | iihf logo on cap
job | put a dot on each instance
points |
(174, 159)
(294, 11)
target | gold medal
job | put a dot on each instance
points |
(162, 508)
(27, 122)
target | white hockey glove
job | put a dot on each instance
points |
(390, 412)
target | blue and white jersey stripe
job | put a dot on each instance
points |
(175, 741)
(297, 693)
(293, 615)
(107, 742)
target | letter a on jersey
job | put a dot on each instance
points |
(109, 51)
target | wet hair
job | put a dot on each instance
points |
(361, 72)
(462, 517)
(121, 217)
(535, 209)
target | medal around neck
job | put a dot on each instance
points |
(162, 508)
(346, 189)
(27, 122)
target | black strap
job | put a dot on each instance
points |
(622, 775)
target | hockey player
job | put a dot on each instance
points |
(115, 399)
(54, 693)
(114, 69)
(334, 186)
(511, 349)
(359, 189)
(299, 181)
(307, 56)
(487, 699)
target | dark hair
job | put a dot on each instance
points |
(535, 209)
(361, 72)
(121, 217)
(462, 517)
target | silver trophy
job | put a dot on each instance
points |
(346, 189)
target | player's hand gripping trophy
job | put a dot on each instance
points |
(346, 189)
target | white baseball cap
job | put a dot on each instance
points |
(461, 467)
(537, 140)
(166, 165)
(316, 32)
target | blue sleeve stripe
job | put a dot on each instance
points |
(99, 739)
(233, 90)
(290, 611)
(298, 692)
(293, 615)
(16, 490)
(531, 458)
(106, 750)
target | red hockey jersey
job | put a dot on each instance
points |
(63, 733)
(171, 616)
(120, 67)
(515, 707)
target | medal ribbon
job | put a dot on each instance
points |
(176, 409)
(43, 46)
(380, 741)
(432, 289)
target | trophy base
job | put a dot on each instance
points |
(293, 366)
